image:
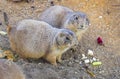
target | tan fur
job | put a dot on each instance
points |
(8, 29)
(9, 70)
(36, 39)
(63, 17)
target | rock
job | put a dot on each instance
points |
(83, 57)
(87, 61)
(69, 64)
(94, 59)
(39, 63)
(91, 60)
(76, 72)
(80, 62)
(100, 17)
(3, 33)
(102, 71)
(90, 52)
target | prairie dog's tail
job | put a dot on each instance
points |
(7, 22)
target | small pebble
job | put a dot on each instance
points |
(69, 64)
(90, 24)
(83, 57)
(100, 17)
(3, 33)
(94, 59)
(76, 72)
(90, 52)
(91, 60)
(80, 62)
(39, 63)
(60, 67)
(102, 71)
(87, 61)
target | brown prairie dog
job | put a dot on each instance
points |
(36, 39)
(9, 70)
(63, 17)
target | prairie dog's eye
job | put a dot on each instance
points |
(76, 18)
(67, 38)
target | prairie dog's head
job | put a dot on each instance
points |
(78, 20)
(66, 38)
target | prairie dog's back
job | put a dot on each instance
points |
(54, 15)
(34, 36)
(35, 30)
(9, 70)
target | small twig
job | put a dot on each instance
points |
(86, 69)
(91, 73)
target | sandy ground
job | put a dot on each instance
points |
(105, 22)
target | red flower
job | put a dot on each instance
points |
(100, 41)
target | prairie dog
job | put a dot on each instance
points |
(63, 17)
(9, 70)
(36, 39)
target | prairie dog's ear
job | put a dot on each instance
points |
(59, 38)
(75, 17)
